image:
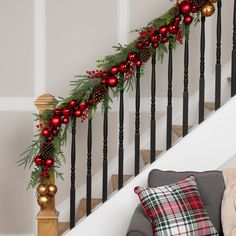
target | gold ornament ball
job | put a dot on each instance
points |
(208, 9)
(42, 189)
(43, 201)
(52, 189)
(213, 1)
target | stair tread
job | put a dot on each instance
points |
(82, 206)
(62, 227)
(114, 180)
(177, 129)
(210, 106)
(146, 155)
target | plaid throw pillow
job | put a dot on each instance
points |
(176, 209)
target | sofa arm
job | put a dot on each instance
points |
(140, 224)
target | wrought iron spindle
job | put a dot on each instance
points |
(137, 123)
(169, 106)
(202, 72)
(153, 111)
(218, 58)
(73, 158)
(89, 168)
(121, 138)
(105, 142)
(233, 76)
(186, 93)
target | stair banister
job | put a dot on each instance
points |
(48, 216)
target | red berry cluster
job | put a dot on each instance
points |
(44, 163)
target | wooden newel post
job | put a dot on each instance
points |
(48, 216)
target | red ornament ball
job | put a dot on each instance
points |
(194, 9)
(58, 112)
(78, 113)
(178, 19)
(55, 132)
(113, 81)
(132, 56)
(188, 20)
(82, 106)
(90, 102)
(164, 39)
(185, 7)
(49, 139)
(147, 42)
(173, 29)
(65, 120)
(55, 121)
(45, 173)
(123, 67)
(155, 45)
(155, 38)
(38, 160)
(72, 103)
(49, 163)
(138, 64)
(163, 30)
(46, 132)
(103, 81)
(105, 75)
(114, 70)
(66, 111)
(140, 45)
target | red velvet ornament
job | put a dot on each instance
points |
(188, 20)
(45, 173)
(49, 139)
(45, 132)
(194, 9)
(38, 160)
(49, 163)
(72, 103)
(103, 81)
(178, 19)
(114, 70)
(163, 30)
(124, 68)
(55, 132)
(138, 64)
(55, 121)
(164, 39)
(147, 43)
(132, 56)
(66, 111)
(58, 112)
(78, 113)
(155, 38)
(82, 106)
(140, 45)
(65, 120)
(105, 75)
(173, 29)
(155, 45)
(185, 7)
(112, 81)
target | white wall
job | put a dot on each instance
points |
(205, 148)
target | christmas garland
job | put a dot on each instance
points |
(115, 72)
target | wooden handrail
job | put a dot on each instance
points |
(48, 216)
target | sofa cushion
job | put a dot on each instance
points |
(176, 209)
(211, 188)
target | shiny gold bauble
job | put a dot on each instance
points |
(208, 9)
(52, 189)
(42, 189)
(43, 201)
(213, 1)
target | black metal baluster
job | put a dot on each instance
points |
(105, 142)
(218, 58)
(73, 158)
(169, 106)
(89, 169)
(202, 72)
(233, 76)
(153, 111)
(186, 93)
(137, 123)
(121, 138)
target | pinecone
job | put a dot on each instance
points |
(145, 54)
(199, 3)
(47, 150)
(99, 93)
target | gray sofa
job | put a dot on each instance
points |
(211, 187)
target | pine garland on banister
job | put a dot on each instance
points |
(92, 88)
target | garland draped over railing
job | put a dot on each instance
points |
(93, 88)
